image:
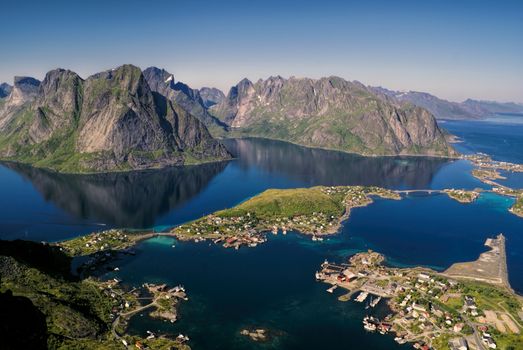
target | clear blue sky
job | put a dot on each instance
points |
(454, 49)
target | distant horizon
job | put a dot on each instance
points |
(226, 90)
(452, 49)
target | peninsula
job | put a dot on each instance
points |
(469, 305)
(315, 211)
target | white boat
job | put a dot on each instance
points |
(331, 289)
(400, 340)
(375, 302)
(361, 297)
(371, 327)
(318, 276)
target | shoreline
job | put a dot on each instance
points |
(457, 157)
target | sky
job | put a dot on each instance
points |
(455, 49)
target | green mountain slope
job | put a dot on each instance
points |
(330, 113)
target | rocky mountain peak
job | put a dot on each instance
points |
(5, 90)
(163, 82)
(330, 112)
(157, 77)
(211, 96)
(110, 121)
(24, 89)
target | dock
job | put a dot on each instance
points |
(361, 297)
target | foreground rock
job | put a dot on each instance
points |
(62, 311)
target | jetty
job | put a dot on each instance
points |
(490, 267)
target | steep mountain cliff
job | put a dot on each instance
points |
(23, 92)
(331, 113)
(443, 109)
(110, 121)
(189, 99)
(211, 96)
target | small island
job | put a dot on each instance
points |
(462, 196)
(470, 304)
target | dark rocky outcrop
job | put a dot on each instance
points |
(110, 121)
(23, 326)
(331, 113)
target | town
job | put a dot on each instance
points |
(431, 310)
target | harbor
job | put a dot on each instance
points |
(428, 308)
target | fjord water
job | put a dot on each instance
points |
(272, 285)
(44, 205)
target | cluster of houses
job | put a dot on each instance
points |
(97, 242)
(248, 230)
(417, 297)
(484, 161)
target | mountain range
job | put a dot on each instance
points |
(443, 109)
(124, 119)
(330, 113)
(110, 121)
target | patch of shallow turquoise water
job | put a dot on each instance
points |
(495, 201)
(162, 240)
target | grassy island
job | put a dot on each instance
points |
(430, 309)
(462, 196)
(316, 211)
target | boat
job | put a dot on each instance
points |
(400, 340)
(318, 276)
(371, 327)
(375, 302)
(370, 323)
(368, 305)
(361, 297)
(314, 238)
(331, 289)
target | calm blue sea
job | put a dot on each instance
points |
(273, 285)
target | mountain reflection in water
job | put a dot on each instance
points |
(130, 199)
(54, 206)
(314, 166)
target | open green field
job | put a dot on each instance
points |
(287, 203)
